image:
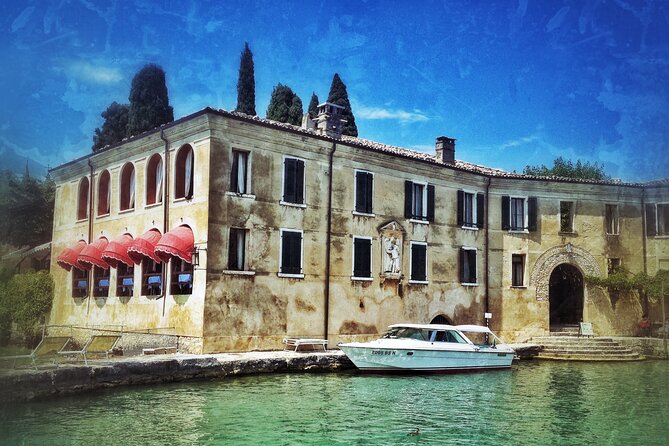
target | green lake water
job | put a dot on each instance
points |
(534, 403)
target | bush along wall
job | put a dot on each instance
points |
(25, 302)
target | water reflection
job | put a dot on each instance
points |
(534, 403)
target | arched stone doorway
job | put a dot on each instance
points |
(565, 296)
(441, 319)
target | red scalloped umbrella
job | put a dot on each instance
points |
(68, 257)
(145, 246)
(179, 242)
(117, 251)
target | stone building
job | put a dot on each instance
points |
(235, 231)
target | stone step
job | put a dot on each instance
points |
(613, 349)
(621, 357)
(578, 348)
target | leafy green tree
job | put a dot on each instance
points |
(246, 85)
(25, 300)
(285, 105)
(149, 103)
(339, 96)
(567, 169)
(114, 128)
(313, 106)
(30, 210)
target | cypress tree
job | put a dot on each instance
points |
(285, 105)
(246, 84)
(339, 96)
(313, 106)
(149, 104)
(114, 128)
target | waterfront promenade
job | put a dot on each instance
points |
(24, 384)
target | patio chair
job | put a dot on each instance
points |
(96, 345)
(48, 346)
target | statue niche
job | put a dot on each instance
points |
(392, 241)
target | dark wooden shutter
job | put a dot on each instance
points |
(232, 250)
(430, 202)
(506, 212)
(359, 191)
(234, 187)
(480, 210)
(369, 195)
(291, 254)
(532, 214)
(289, 180)
(471, 257)
(408, 189)
(362, 257)
(299, 181)
(651, 220)
(463, 259)
(418, 263)
(461, 208)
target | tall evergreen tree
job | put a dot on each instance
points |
(114, 128)
(149, 104)
(339, 96)
(313, 106)
(30, 210)
(246, 84)
(285, 105)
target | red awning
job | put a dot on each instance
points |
(117, 251)
(144, 246)
(68, 258)
(91, 255)
(178, 242)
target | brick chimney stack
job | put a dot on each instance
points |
(445, 149)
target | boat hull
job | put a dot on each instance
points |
(382, 359)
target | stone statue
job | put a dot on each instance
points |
(391, 261)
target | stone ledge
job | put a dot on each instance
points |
(66, 379)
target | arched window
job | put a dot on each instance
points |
(154, 180)
(104, 193)
(127, 187)
(82, 203)
(183, 187)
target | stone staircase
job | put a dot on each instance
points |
(571, 347)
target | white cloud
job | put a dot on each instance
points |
(402, 116)
(87, 72)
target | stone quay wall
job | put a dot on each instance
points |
(66, 379)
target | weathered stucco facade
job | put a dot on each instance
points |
(370, 235)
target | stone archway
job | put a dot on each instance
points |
(565, 291)
(549, 260)
(441, 319)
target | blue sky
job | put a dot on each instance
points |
(515, 82)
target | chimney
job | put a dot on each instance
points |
(445, 149)
(329, 121)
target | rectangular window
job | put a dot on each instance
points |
(364, 182)
(291, 252)
(362, 257)
(237, 250)
(293, 181)
(418, 262)
(152, 284)
(613, 265)
(612, 221)
(182, 276)
(566, 216)
(125, 279)
(100, 282)
(470, 209)
(239, 172)
(418, 201)
(518, 270)
(79, 282)
(663, 219)
(519, 213)
(468, 266)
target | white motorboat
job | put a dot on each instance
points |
(431, 348)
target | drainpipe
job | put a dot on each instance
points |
(166, 209)
(643, 244)
(91, 195)
(487, 249)
(326, 322)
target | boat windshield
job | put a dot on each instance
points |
(420, 334)
(449, 336)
